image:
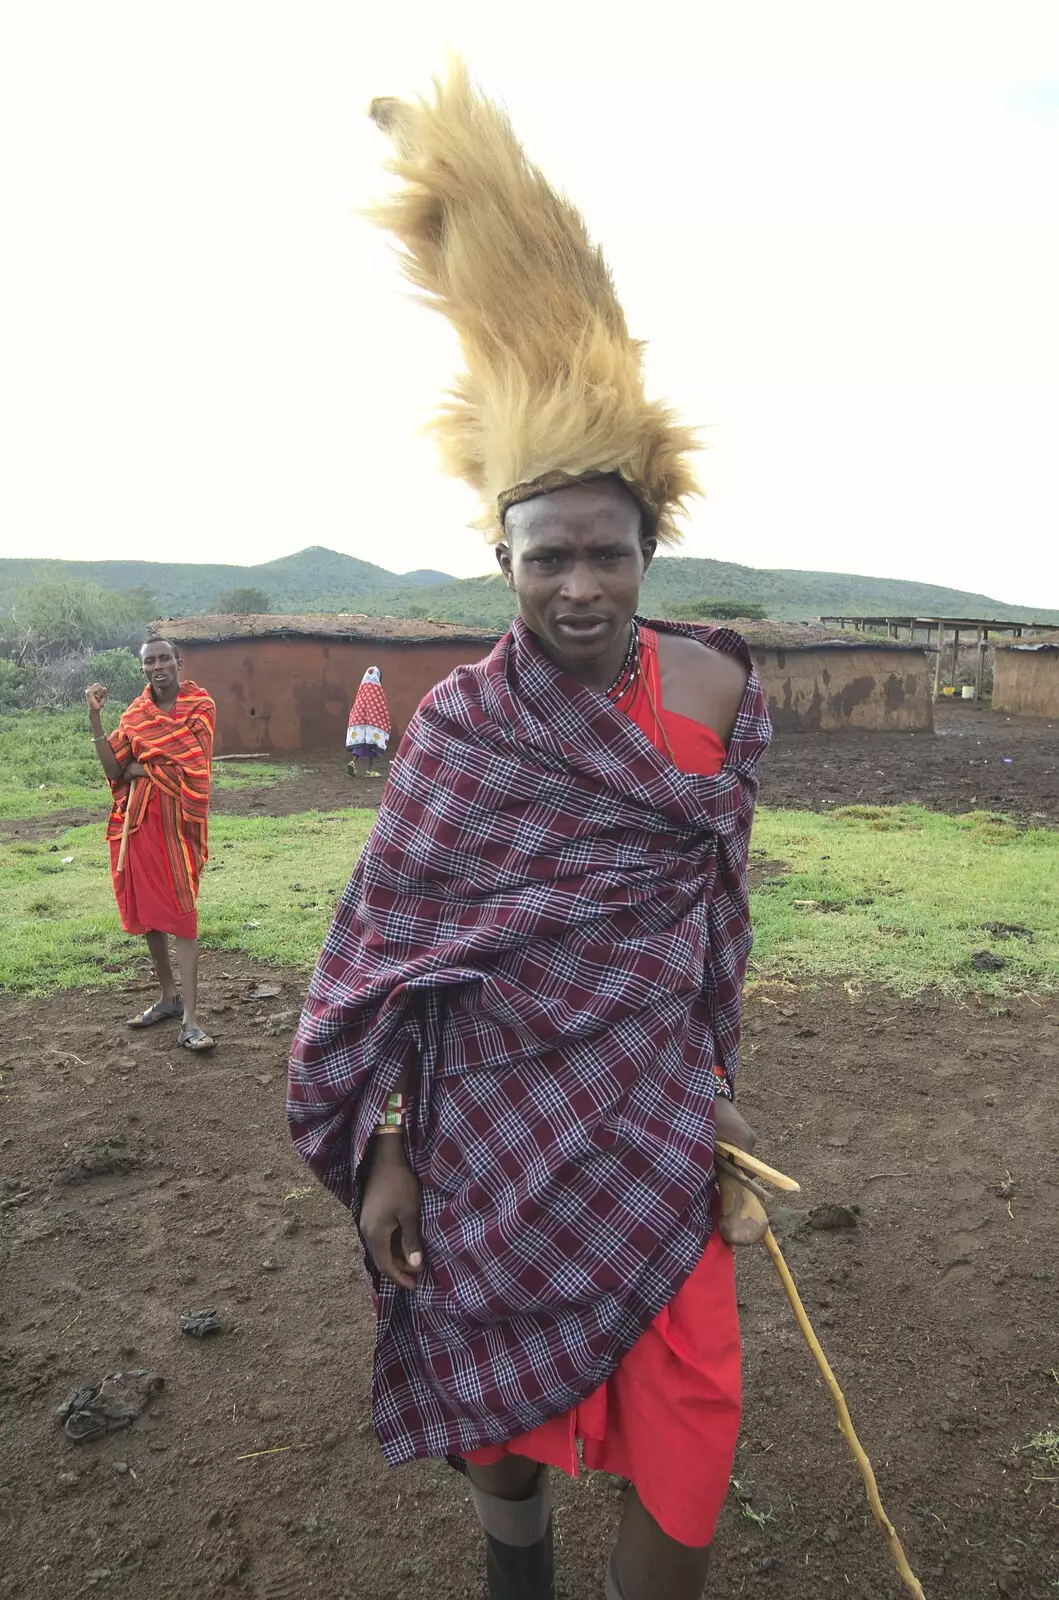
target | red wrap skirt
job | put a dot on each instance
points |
(144, 889)
(667, 1419)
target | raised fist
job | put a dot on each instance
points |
(96, 695)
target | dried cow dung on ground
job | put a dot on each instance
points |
(830, 1219)
(97, 1160)
(197, 1324)
(1008, 930)
(986, 961)
(116, 1402)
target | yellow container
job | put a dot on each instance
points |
(949, 692)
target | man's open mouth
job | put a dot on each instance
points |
(582, 627)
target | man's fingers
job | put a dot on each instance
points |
(381, 1252)
(411, 1245)
(397, 1250)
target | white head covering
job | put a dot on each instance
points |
(373, 675)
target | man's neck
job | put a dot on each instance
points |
(170, 700)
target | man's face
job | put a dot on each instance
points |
(160, 667)
(576, 561)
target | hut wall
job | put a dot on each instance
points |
(1026, 682)
(823, 691)
(295, 694)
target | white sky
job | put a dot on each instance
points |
(837, 226)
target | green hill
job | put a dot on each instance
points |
(326, 580)
(299, 582)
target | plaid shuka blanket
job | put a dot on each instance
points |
(549, 925)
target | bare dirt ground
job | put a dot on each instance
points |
(976, 759)
(139, 1184)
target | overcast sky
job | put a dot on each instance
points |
(836, 225)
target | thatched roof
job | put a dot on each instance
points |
(1030, 641)
(770, 635)
(414, 631)
(334, 625)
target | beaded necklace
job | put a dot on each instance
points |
(629, 670)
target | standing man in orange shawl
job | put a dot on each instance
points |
(158, 766)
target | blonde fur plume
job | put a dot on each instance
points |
(553, 388)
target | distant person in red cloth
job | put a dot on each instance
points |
(158, 766)
(368, 733)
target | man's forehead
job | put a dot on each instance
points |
(157, 647)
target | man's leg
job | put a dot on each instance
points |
(513, 1501)
(158, 945)
(187, 953)
(647, 1563)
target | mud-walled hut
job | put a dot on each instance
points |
(1026, 675)
(819, 681)
(285, 684)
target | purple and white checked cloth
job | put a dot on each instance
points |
(549, 926)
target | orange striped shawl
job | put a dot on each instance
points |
(176, 749)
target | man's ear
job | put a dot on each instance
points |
(648, 548)
(503, 558)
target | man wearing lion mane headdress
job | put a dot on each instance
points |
(521, 1038)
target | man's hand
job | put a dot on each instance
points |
(743, 1219)
(96, 695)
(134, 769)
(389, 1216)
(732, 1128)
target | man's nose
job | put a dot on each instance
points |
(581, 584)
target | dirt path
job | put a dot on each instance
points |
(939, 1310)
(975, 759)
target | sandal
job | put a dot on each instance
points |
(196, 1039)
(161, 1011)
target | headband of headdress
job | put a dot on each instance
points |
(553, 388)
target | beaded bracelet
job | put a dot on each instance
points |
(395, 1116)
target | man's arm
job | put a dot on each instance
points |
(96, 696)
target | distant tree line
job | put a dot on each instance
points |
(58, 634)
(716, 610)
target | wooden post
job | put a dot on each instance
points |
(955, 654)
(938, 663)
(979, 665)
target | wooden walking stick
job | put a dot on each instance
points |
(750, 1210)
(125, 827)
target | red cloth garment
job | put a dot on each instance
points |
(549, 925)
(370, 709)
(144, 889)
(667, 1418)
(167, 846)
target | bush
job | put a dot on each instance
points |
(12, 686)
(62, 680)
(120, 670)
(246, 602)
(717, 610)
(52, 617)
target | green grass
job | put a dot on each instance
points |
(901, 896)
(269, 889)
(48, 763)
(898, 897)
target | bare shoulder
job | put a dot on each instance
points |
(700, 682)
